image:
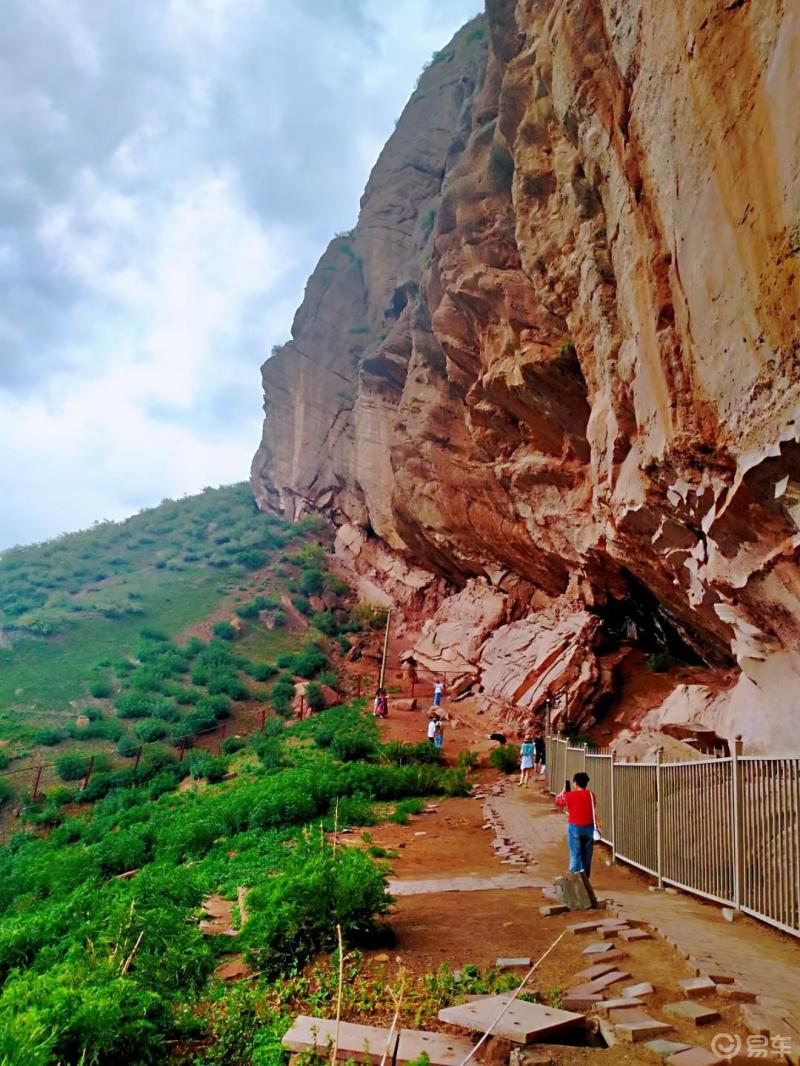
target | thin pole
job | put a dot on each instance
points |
(36, 781)
(738, 821)
(385, 649)
(659, 821)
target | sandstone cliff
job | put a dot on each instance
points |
(554, 371)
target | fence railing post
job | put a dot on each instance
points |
(613, 807)
(737, 798)
(89, 769)
(137, 760)
(659, 821)
(262, 717)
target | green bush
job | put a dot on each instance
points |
(315, 698)
(150, 729)
(281, 697)
(659, 661)
(279, 618)
(353, 746)
(312, 581)
(261, 671)
(204, 764)
(231, 745)
(6, 794)
(135, 705)
(101, 689)
(505, 758)
(127, 746)
(73, 765)
(294, 915)
(325, 623)
(49, 737)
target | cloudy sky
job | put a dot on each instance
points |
(170, 170)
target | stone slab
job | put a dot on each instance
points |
(637, 1032)
(550, 909)
(599, 984)
(589, 1001)
(600, 969)
(697, 986)
(688, 1010)
(736, 994)
(511, 963)
(442, 1049)
(361, 1043)
(695, 1056)
(644, 988)
(585, 927)
(665, 1047)
(598, 948)
(632, 935)
(629, 1014)
(521, 1023)
(609, 932)
(613, 1004)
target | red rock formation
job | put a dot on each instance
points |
(560, 353)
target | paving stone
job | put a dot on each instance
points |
(598, 970)
(549, 909)
(360, 1043)
(761, 1023)
(719, 977)
(511, 963)
(628, 1014)
(697, 986)
(613, 1004)
(614, 930)
(697, 1013)
(585, 927)
(442, 1049)
(665, 1047)
(695, 1056)
(522, 1022)
(599, 948)
(600, 983)
(644, 988)
(736, 994)
(632, 935)
(636, 1032)
(587, 1001)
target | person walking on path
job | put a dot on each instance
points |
(438, 692)
(540, 754)
(581, 823)
(526, 760)
(438, 734)
(432, 720)
(381, 706)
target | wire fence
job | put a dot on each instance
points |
(726, 829)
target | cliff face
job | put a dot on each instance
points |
(557, 364)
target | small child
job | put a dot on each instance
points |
(438, 735)
(526, 760)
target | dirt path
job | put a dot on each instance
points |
(458, 902)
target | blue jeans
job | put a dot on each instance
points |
(580, 839)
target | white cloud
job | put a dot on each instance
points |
(169, 174)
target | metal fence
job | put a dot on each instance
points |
(727, 829)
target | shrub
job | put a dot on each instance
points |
(200, 720)
(135, 705)
(150, 729)
(248, 610)
(279, 618)
(101, 689)
(73, 765)
(224, 630)
(232, 744)
(204, 764)
(127, 746)
(312, 582)
(261, 671)
(308, 662)
(659, 661)
(166, 712)
(281, 697)
(325, 623)
(468, 760)
(49, 737)
(219, 706)
(352, 746)
(6, 793)
(505, 758)
(315, 698)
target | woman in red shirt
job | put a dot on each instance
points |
(581, 818)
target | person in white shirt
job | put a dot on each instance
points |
(438, 692)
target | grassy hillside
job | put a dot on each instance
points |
(98, 969)
(153, 629)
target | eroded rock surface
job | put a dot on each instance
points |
(558, 355)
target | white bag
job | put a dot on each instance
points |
(596, 835)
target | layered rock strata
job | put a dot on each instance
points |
(556, 365)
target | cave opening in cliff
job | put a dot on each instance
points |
(638, 618)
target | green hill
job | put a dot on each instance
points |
(161, 626)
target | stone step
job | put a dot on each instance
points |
(599, 984)
(637, 1032)
(360, 1043)
(442, 1049)
(688, 1010)
(521, 1023)
(697, 986)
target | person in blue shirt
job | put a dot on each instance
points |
(526, 759)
